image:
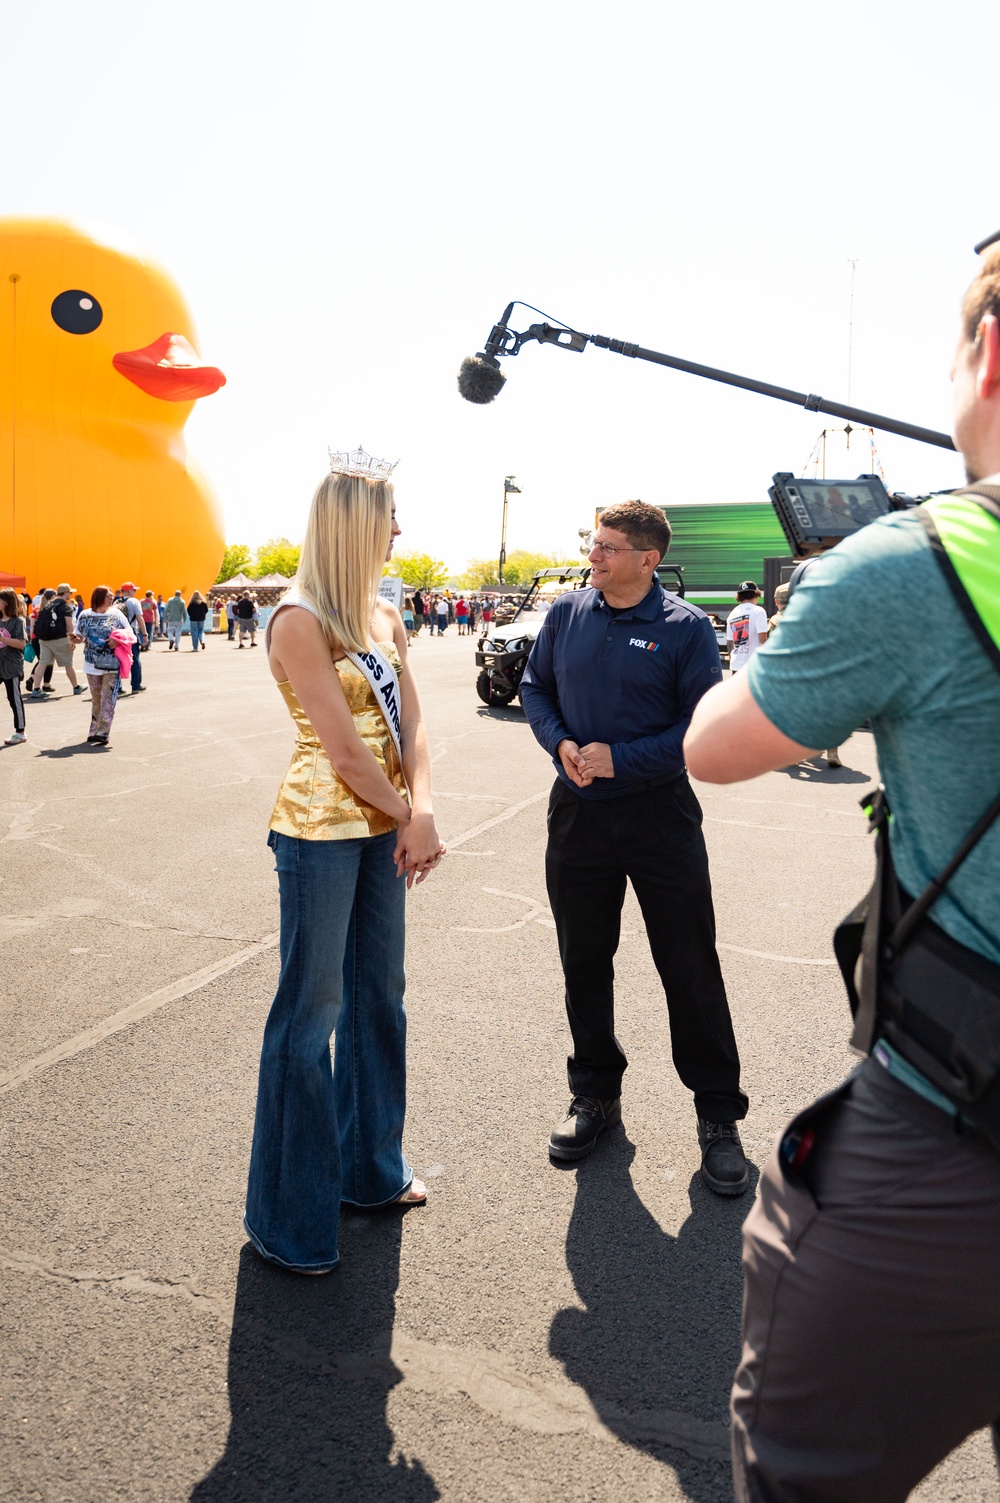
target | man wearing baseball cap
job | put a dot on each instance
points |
(746, 625)
(55, 635)
(133, 613)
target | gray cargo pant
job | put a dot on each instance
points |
(871, 1318)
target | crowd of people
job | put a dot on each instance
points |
(41, 633)
(469, 612)
(438, 611)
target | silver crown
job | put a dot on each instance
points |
(357, 462)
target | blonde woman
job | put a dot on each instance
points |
(351, 831)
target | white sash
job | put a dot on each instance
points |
(381, 677)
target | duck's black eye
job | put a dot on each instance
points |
(77, 312)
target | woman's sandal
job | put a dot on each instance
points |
(414, 1195)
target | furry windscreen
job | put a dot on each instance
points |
(479, 380)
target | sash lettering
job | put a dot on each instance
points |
(386, 689)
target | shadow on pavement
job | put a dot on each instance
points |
(815, 770)
(310, 1374)
(661, 1327)
(78, 749)
(512, 713)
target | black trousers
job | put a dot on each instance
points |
(13, 687)
(653, 839)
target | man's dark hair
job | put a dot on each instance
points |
(645, 526)
(747, 594)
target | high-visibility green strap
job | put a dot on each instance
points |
(964, 535)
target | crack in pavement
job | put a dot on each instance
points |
(18, 923)
(132, 1014)
(540, 1406)
(131, 1281)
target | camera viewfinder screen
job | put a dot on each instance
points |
(836, 508)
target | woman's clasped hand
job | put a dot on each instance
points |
(418, 848)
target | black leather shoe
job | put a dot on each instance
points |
(723, 1162)
(583, 1124)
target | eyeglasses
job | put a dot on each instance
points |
(608, 550)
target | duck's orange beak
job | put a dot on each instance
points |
(169, 368)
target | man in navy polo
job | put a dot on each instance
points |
(609, 690)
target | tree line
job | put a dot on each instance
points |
(427, 573)
(279, 556)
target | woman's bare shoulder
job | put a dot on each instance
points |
(389, 624)
(387, 612)
(295, 637)
(295, 622)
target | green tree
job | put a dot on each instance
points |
(480, 574)
(519, 569)
(277, 556)
(419, 569)
(235, 558)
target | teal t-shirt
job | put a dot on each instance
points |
(873, 632)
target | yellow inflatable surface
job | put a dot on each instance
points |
(98, 375)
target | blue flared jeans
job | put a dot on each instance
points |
(325, 1136)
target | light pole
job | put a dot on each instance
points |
(509, 489)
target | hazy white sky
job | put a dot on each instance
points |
(349, 195)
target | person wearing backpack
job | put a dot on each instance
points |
(39, 678)
(871, 1327)
(55, 627)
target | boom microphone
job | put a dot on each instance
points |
(479, 376)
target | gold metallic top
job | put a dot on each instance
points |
(314, 803)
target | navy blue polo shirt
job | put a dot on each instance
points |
(628, 678)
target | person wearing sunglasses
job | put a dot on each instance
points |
(609, 691)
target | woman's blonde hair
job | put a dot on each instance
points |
(346, 541)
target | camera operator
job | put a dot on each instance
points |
(871, 1330)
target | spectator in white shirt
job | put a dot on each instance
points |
(746, 625)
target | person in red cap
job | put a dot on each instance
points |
(132, 610)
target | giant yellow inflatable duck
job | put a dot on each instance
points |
(98, 375)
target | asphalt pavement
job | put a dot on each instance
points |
(532, 1333)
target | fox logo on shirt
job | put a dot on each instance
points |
(639, 642)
